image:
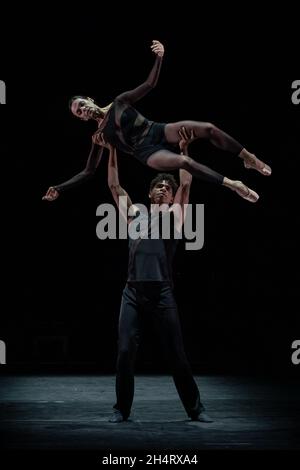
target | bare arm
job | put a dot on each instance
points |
(93, 161)
(137, 93)
(114, 185)
(185, 180)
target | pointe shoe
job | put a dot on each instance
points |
(245, 192)
(252, 162)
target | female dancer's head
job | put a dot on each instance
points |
(85, 108)
(163, 189)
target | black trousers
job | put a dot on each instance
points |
(157, 301)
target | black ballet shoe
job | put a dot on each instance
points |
(202, 417)
(116, 417)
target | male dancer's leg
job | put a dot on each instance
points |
(129, 327)
(167, 323)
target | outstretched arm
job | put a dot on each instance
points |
(185, 180)
(114, 185)
(90, 168)
(142, 90)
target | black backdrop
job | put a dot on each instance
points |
(238, 296)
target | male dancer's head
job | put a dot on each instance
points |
(163, 189)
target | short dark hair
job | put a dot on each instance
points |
(78, 97)
(165, 176)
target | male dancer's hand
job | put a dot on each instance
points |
(185, 139)
(103, 142)
(158, 48)
(51, 194)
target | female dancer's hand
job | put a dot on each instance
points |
(51, 194)
(185, 139)
(158, 48)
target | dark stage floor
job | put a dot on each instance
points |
(71, 412)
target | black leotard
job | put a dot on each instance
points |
(127, 130)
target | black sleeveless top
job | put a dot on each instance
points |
(151, 259)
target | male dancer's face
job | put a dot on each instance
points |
(161, 193)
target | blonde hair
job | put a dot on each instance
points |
(106, 108)
(77, 97)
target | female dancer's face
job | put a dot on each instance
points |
(161, 193)
(85, 109)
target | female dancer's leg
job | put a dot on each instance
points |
(164, 160)
(206, 130)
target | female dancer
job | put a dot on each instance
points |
(154, 144)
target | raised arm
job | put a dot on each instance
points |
(137, 93)
(185, 180)
(185, 177)
(114, 185)
(89, 170)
